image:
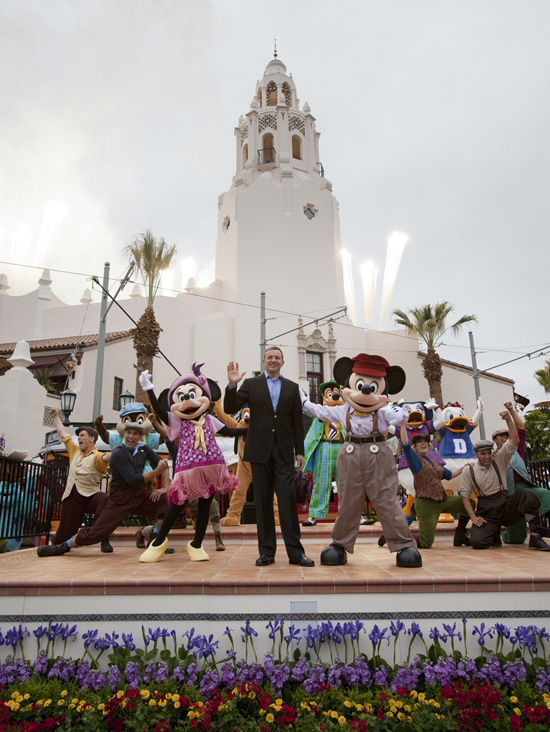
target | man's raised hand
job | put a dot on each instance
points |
(233, 375)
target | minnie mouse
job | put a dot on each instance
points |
(199, 466)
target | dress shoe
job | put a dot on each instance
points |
(537, 542)
(309, 522)
(53, 550)
(302, 561)
(366, 522)
(220, 546)
(106, 547)
(264, 559)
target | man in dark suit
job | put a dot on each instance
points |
(275, 441)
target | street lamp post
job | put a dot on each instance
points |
(125, 398)
(67, 398)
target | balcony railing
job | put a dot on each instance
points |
(267, 156)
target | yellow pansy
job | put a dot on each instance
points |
(517, 712)
(269, 718)
(177, 705)
(334, 715)
(144, 693)
(341, 720)
(514, 699)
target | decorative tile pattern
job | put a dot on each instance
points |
(267, 120)
(257, 617)
(296, 123)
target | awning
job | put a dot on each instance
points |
(41, 362)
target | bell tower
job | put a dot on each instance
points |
(278, 225)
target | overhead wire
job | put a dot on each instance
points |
(279, 312)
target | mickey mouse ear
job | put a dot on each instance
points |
(395, 379)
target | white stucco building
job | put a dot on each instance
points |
(278, 221)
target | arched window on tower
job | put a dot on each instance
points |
(297, 147)
(245, 154)
(286, 92)
(271, 94)
(268, 151)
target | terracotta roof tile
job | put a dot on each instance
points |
(52, 344)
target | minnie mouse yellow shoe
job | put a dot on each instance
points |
(197, 555)
(154, 553)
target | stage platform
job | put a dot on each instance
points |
(510, 584)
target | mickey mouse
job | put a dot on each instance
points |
(200, 470)
(366, 466)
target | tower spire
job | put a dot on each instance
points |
(275, 48)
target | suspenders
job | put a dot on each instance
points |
(483, 495)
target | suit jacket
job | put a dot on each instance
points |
(286, 424)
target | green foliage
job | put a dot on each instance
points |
(537, 425)
(44, 378)
(151, 256)
(543, 377)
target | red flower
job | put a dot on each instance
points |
(265, 700)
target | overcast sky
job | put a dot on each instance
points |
(434, 118)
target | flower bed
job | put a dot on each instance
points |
(172, 685)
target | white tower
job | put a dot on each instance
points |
(278, 225)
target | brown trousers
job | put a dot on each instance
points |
(73, 509)
(122, 502)
(366, 475)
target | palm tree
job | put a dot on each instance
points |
(428, 323)
(151, 256)
(543, 377)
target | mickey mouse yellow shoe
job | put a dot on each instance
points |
(154, 553)
(197, 555)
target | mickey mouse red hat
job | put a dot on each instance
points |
(370, 365)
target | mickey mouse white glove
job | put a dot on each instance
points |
(397, 415)
(145, 381)
(478, 412)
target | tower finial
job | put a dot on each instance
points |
(275, 48)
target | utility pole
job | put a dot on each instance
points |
(476, 382)
(101, 343)
(262, 329)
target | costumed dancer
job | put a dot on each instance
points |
(366, 466)
(135, 414)
(244, 471)
(200, 470)
(420, 422)
(431, 497)
(321, 445)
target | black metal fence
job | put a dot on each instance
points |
(30, 497)
(540, 474)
